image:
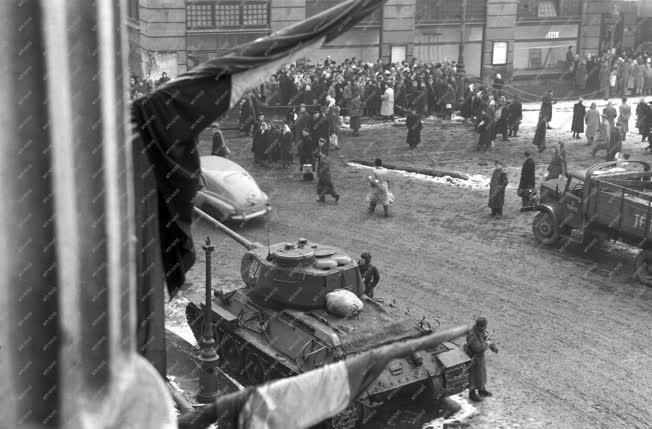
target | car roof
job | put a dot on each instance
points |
(219, 166)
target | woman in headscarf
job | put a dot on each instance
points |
(379, 193)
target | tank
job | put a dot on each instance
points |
(276, 325)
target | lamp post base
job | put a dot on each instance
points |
(208, 385)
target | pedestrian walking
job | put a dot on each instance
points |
(527, 183)
(369, 273)
(324, 180)
(579, 111)
(218, 147)
(499, 181)
(477, 342)
(556, 166)
(540, 134)
(625, 112)
(379, 193)
(592, 120)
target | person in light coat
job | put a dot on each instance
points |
(592, 120)
(387, 102)
(477, 342)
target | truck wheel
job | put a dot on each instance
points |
(545, 229)
(641, 263)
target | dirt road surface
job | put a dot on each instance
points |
(573, 328)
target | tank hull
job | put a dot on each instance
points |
(257, 344)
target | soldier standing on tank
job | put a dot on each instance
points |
(477, 342)
(370, 276)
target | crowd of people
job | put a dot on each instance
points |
(618, 72)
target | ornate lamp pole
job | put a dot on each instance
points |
(611, 20)
(460, 62)
(208, 389)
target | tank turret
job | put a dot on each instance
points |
(294, 275)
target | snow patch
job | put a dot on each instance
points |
(462, 417)
(475, 181)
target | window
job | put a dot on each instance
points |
(200, 15)
(227, 14)
(441, 10)
(132, 9)
(499, 56)
(545, 9)
(534, 58)
(397, 54)
(313, 7)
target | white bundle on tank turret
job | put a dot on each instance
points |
(343, 303)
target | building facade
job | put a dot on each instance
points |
(519, 38)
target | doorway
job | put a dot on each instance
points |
(398, 53)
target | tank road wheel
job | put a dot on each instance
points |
(642, 266)
(254, 369)
(545, 228)
(231, 359)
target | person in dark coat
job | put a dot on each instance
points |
(303, 121)
(414, 125)
(477, 342)
(498, 84)
(546, 107)
(285, 146)
(218, 148)
(306, 150)
(324, 180)
(259, 147)
(577, 127)
(485, 130)
(515, 116)
(502, 120)
(369, 273)
(527, 183)
(247, 115)
(615, 142)
(356, 113)
(499, 181)
(321, 129)
(642, 113)
(540, 134)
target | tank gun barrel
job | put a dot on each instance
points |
(247, 244)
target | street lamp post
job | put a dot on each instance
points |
(611, 21)
(208, 388)
(460, 62)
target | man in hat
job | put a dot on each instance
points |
(477, 342)
(527, 183)
(370, 276)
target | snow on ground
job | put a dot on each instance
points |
(475, 181)
(462, 417)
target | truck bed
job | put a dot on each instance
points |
(622, 206)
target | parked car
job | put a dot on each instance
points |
(228, 192)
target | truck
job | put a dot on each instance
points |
(608, 201)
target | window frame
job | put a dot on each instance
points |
(493, 52)
(240, 7)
